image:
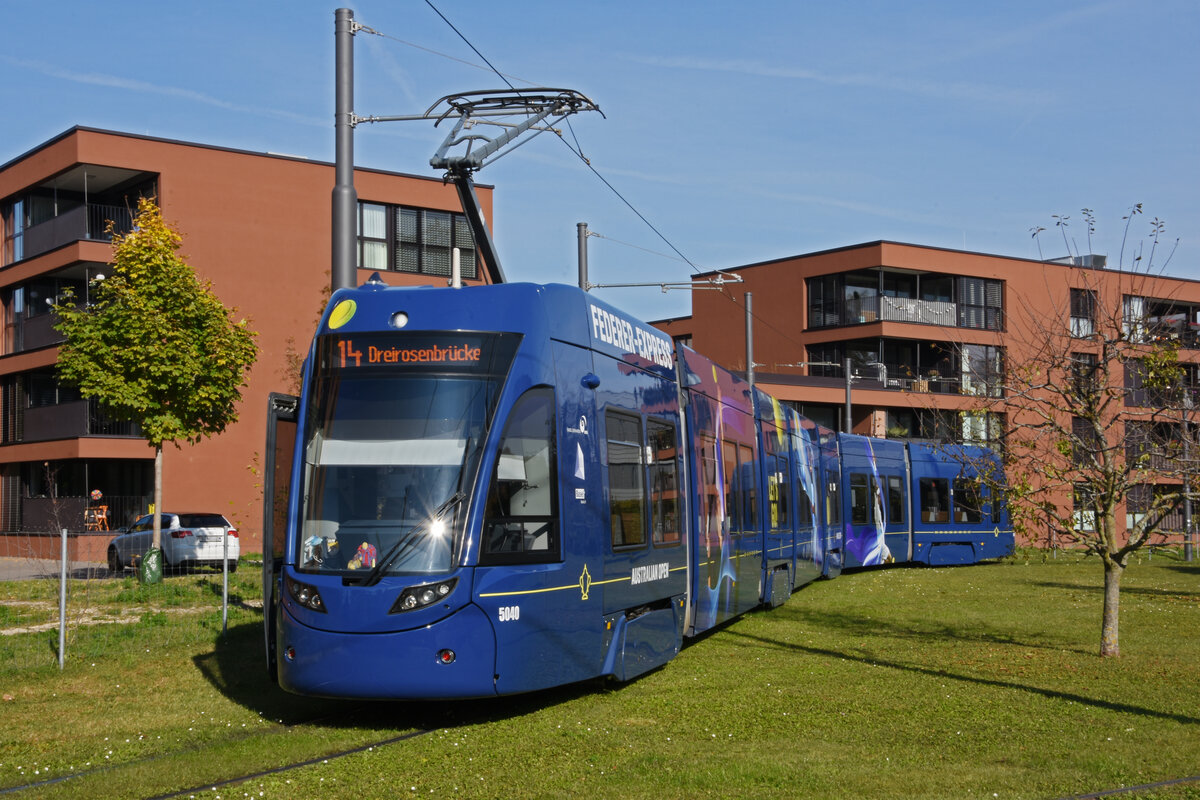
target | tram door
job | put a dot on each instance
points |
(277, 470)
(537, 552)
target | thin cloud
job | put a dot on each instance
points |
(144, 87)
(944, 90)
(1036, 33)
(883, 212)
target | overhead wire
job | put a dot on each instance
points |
(468, 43)
(577, 149)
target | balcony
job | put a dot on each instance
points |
(87, 221)
(889, 295)
(903, 309)
(73, 420)
(56, 513)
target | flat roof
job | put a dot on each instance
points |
(181, 143)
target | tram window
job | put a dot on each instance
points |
(858, 499)
(968, 502)
(626, 487)
(778, 493)
(748, 480)
(520, 515)
(997, 507)
(804, 509)
(895, 496)
(935, 500)
(833, 501)
(862, 498)
(710, 491)
(664, 487)
(733, 512)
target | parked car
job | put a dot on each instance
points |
(188, 540)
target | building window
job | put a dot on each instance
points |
(1084, 517)
(1084, 380)
(1083, 312)
(15, 222)
(414, 240)
(372, 236)
(1158, 506)
(1133, 318)
(982, 428)
(1087, 442)
(1148, 319)
(982, 370)
(825, 301)
(980, 303)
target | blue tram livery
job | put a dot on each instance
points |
(499, 489)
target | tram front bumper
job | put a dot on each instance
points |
(454, 657)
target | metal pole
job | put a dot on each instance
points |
(849, 378)
(582, 231)
(62, 603)
(345, 199)
(225, 584)
(750, 343)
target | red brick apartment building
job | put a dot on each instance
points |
(928, 331)
(257, 225)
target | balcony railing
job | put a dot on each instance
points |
(72, 420)
(88, 221)
(56, 513)
(925, 312)
(876, 308)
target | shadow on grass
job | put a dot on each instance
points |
(237, 669)
(1098, 589)
(927, 630)
(853, 625)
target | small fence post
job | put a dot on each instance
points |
(225, 585)
(62, 602)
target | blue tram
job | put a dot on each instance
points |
(499, 489)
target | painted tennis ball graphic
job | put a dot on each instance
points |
(342, 313)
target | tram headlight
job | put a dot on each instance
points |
(305, 595)
(417, 597)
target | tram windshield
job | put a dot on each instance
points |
(393, 431)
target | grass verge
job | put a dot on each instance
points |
(962, 682)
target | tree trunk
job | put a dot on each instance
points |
(1109, 642)
(157, 540)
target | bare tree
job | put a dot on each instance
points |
(1098, 447)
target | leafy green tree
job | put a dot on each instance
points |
(155, 346)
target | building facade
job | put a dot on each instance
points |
(929, 334)
(255, 225)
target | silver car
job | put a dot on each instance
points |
(188, 540)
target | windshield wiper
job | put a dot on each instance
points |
(405, 543)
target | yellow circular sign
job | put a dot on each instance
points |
(342, 313)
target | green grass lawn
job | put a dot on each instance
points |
(960, 682)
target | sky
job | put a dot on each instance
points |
(732, 132)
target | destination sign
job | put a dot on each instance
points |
(351, 356)
(424, 351)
